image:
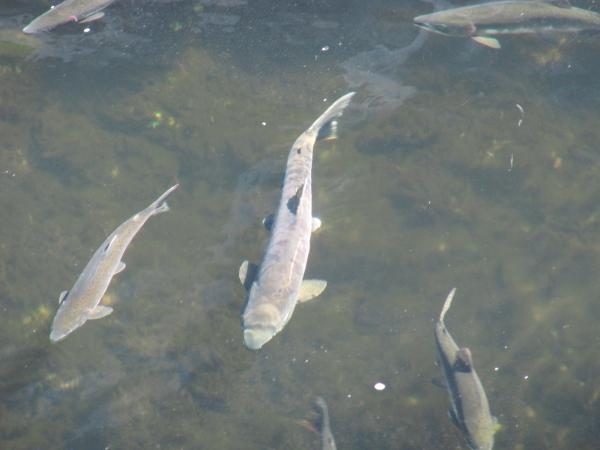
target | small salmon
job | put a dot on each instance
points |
(328, 443)
(470, 409)
(82, 302)
(484, 22)
(68, 11)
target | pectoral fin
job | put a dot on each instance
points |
(439, 382)
(310, 289)
(92, 17)
(455, 421)
(247, 274)
(120, 267)
(487, 41)
(99, 312)
(268, 222)
(62, 296)
(316, 224)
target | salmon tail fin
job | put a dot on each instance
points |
(447, 304)
(326, 126)
(160, 205)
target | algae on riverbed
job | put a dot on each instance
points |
(485, 177)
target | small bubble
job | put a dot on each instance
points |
(379, 386)
(325, 48)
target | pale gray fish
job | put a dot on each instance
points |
(327, 440)
(82, 11)
(484, 22)
(82, 302)
(470, 409)
(279, 283)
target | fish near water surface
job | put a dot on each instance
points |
(82, 302)
(82, 11)
(484, 22)
(470, 409)
(277, 286)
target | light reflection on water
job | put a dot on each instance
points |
(433, 183)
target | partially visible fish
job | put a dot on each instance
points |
(82, 11)
(82, 302)
(483, 22)
(470, 410)
(328, 443)
(279, 283)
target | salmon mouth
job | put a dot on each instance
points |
(256, 337)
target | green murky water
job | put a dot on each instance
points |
(438, 180)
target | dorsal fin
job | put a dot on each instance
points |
(110, 243)
(464, 362)
(294, 201)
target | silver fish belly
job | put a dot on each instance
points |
(68, 11)
(470, 409)
(279, 283)
(82, 302)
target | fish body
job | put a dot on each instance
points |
(68, 11)
(470, 409)
(82, 302)
(327, 440)
(484, 22)
(279, 283)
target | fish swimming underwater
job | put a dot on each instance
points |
(82, 302)
(327, 440)
(483, 22)
(470, 409)
(277, 286)
(82, 11)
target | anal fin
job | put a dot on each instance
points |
(93, 17)
(487, 41)
(99, 312)
(120, 268)
(310, 289)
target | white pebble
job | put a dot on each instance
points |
(379, 386)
